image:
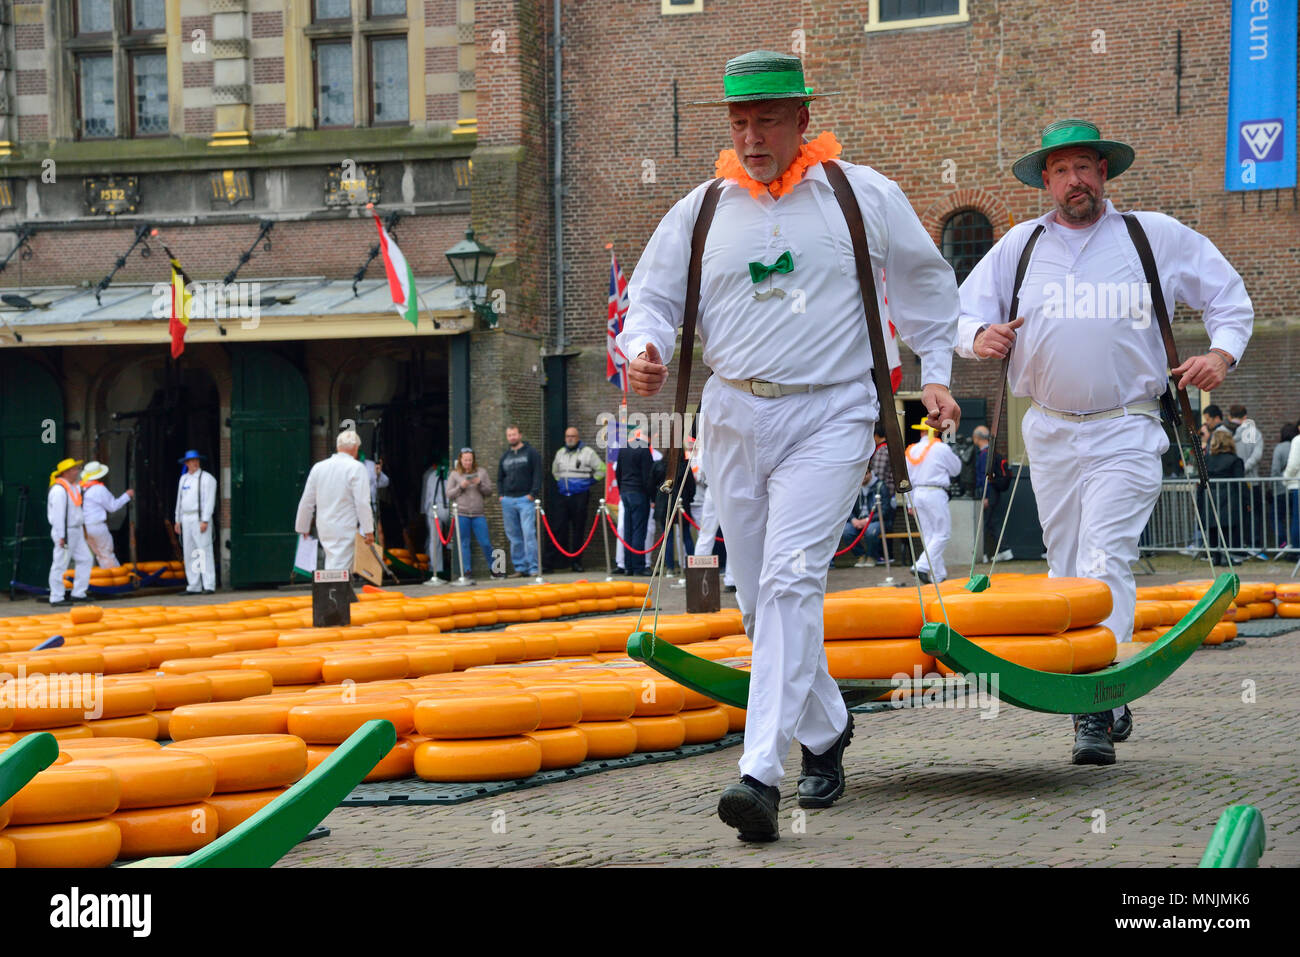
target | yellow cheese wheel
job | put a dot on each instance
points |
(469, 654)
(561, 747)
(40, 704)
(398, 763)
(1290, 609)
(143, 726)
(156, 778)
(121, 699)
(609, 636)
(1094, 648)
(608, 739)
(606, 700)
(895, 616)
(332, 722)
(558, 707)
(164, 723)
(8, 857)
(235, 685)
(735, 718)
(877, 658)
(363, 667)
(62, 734)
(89, 747)
(428, 660)
(1262, 609)
(158, 832)
(67, 660)
(1146, 635)
(286, 669)
(488, 759)
(196, 665)
(6, 718)
(250, 762)
(478, 717)
(1286, 592)
(1090, 600)
(576, 641)
(206, 720)
(85, 614)
(1221, 632)
(704, 724)
(81, 844)
(237, 807)
(660, 733)
(120, 660)
(1045, 653)
(995, 612)
(66, 792)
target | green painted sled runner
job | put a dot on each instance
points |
(1023, 687)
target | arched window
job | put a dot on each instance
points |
(967, 236)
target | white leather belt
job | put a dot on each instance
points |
(1151, 407)
(764, 389)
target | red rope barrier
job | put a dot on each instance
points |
(716, 538)
(559, 548)
(634, 551)
(862, 531)
(437, 528)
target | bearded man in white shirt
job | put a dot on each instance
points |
(787, 416)
(338, 492)
(1093, 364)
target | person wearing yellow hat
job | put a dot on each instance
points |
(97, 504)
(63, 511)
(931, 466)
(787, 416)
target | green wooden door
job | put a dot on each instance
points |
(270, 455)
(31, 444)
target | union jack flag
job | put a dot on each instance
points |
(615, 361)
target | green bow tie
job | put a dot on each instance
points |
(784, 263)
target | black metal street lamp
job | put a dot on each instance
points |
(470, 261)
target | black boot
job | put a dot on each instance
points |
(821, 776)
(1123, 726)
(1092, 740)
(750, 807)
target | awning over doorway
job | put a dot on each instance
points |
(260, 310)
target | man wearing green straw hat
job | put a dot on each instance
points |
(786, 420)
(1091, 357)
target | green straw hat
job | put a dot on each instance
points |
(763, 75)
(1067, 133)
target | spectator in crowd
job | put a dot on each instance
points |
(634, 471)
(468, 486)
(97, 504)
(990, 491)
(336, 493)
(437, 513)
(1282, 508)
(1212, 419)
(576, 468)
(519, 485)
(1283, 449)
(1223, 462)
(883, 473)
(661, 507)
(706, 542)
(1246, 436)
(1291, 473)
(857, 521)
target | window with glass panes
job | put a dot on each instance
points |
(918, 9)
(93, 17)
(148, 16)
(359, 74)
(117, 51)
(149, 94)
(967, 236)
(96, 96)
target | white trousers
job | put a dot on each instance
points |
(708, 529)
(340, 547)
(200, 572)
(74, 547)
(783, 473)
(935, 520)
(100, 540)
(1096, 484)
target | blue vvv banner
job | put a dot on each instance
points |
(1261, 147)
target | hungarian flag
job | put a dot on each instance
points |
(181, 308)
(615, 361)
(401, 280)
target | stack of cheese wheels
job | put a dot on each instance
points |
(872, 633)
(252, 770)
(61, 818)
(478, 737)
(1288, 599)
(1047, 624)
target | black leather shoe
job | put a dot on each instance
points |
(821, 776)
(577, 567)
(750, 807)
(1092, 740)
(925, 578)
(1122, 726)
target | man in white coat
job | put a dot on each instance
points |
(1091, 358)
(97, 504)
(63, 512)
(338, 492)
(196, 496)
(931, 466)
(434, 505)
(787, 416)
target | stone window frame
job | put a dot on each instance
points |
(359, 30)
(874, 24)
(67, 47)
(670, 8)
(953, 214)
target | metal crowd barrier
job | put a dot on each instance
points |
(1260, 519)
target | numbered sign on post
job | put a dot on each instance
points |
(331, 598)
(702, 591)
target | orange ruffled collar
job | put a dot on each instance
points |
(819, 150)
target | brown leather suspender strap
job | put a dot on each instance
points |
(1183, 409)
(875, 331)
(1021, 268)
(698, 236)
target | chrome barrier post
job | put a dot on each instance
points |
(537, 520)
(680, 519)
(460, 554)
(884, 542)
(604, 534)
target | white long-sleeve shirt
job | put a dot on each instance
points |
(817, 333)
(935, 464)
(1080, 348)
(1292, 471)
(337, 492)
(97, 503)
(61, 513)
(196, 494)
(435, 494)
